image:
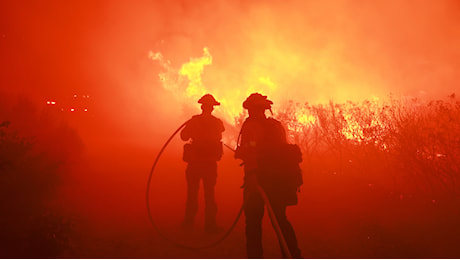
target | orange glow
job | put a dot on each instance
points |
(187, 84)
(116, 78)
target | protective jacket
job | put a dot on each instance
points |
(205, 134)
(266, 153)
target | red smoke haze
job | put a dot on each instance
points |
(312, 51)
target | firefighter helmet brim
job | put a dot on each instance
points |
(208, 99)
(257, 100)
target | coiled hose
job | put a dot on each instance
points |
(227, 233)
(147, 199)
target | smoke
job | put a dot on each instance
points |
(290, 50)
(301, 50)
(321, 50)
(306, 51)
(317, 50)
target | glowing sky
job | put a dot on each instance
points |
(304, 50)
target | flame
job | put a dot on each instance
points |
(352, 130)
(187, 79)
(357, 122)
(187, 83)
(193, 71)
(305, 119)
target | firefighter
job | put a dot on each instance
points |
(203, 150)
(273, 164)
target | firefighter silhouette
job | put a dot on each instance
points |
(273, 164)
(204, 149)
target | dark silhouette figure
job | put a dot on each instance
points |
(273, 164)
(204, 149)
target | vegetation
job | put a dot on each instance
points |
(387, 170)
(380, 181)
(407, 146)
(35, 151)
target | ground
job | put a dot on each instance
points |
(337, 217)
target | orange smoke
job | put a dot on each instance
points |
(307, 52)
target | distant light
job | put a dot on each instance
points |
(75, 96)
(48, 102)
(53, 103)
(86, 110)
(72, 109)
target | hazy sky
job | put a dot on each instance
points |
(306, 50)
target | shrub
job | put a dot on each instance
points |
(34, 159)
(406, 146)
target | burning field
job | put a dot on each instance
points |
(90, 91)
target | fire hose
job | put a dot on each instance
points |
(152, 222)
(227, 233)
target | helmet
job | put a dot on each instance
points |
(208, 99)
(257, 100)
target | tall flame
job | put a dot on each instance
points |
(187, 83)
(193, 70)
